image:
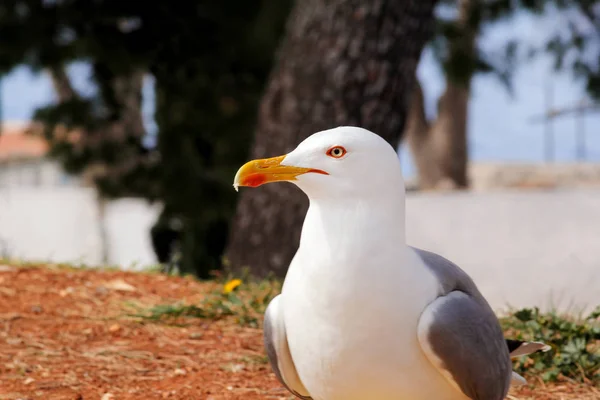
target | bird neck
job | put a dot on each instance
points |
(366, 224)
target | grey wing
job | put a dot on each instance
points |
(463, 340)
(278, 351)
(461, 335)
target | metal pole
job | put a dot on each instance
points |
(580, 132)
(549, 136)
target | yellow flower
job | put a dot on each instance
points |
(231, 286)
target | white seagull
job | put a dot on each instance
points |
(362, 315)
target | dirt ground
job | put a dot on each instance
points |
(68, 334)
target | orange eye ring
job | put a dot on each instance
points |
(336, 152)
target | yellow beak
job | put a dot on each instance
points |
(258, 172)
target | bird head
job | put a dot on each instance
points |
(340, 162)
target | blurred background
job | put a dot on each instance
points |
(123, 123)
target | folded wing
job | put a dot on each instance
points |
(278, 351)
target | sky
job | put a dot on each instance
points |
(500, 126)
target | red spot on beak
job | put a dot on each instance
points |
(254, 180)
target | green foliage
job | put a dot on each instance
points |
(455, 43)
(244, 302)
(575, 38)
(575, 344)
(49, 35)
(573, 43)
(210, 61)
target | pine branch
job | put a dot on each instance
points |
(62, 84)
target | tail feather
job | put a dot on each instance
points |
(518, 348)
(517, 380)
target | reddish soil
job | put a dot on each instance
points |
(69, 334)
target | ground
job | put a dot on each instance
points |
(74, 334)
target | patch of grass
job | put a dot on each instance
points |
(175, 311)
(575, 343)
(74, 267)
(244, 302)
(255, 360)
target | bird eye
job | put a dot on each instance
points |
(336, 152)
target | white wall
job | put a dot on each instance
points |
(128, 223)
(62, 225)
(35, 172)
(521, 248)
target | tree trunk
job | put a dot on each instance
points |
(101, 203)
(62, 84)
(440, 149)
(126, 125)
(343, 62)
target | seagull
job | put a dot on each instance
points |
(361, 314)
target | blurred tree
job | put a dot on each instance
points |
(209, 79)
(100, 134)
(574, 41)
(343, 62)
(210, 61)
(439, 147)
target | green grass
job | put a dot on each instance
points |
(575, 343)
(245, 304)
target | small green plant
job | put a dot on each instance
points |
(575, 344)
(245, 302)
(174, 311)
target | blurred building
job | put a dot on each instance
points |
(49, 215)
(24, 161)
